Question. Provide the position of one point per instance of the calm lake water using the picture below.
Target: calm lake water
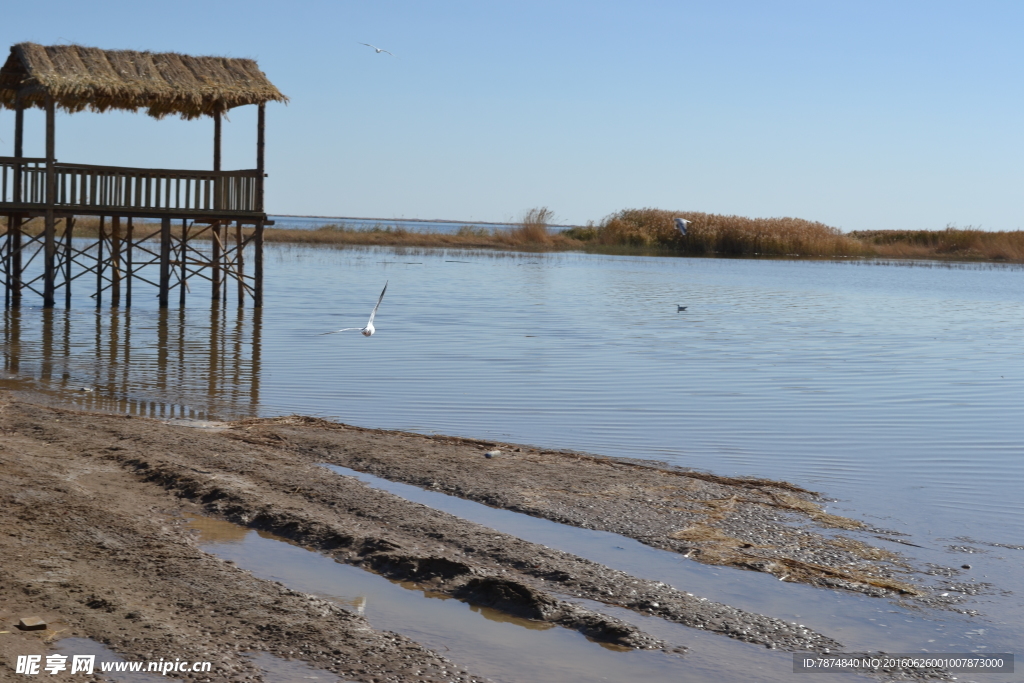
(895, 390)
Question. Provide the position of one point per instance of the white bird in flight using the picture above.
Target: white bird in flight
(379, 50)
(369, 329)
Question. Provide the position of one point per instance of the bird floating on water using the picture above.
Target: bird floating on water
(681, 308)
(369, 329)
(378, 49)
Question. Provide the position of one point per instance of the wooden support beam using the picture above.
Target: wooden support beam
(7, 264)
(257, 294)
(99, 262)
(14, 272)
(215, 259)
(240, 264)
(69, 226)
(182, 261)
(115, 261)
(225, 261)
(165, 260)
(51, 199)
(128, 265)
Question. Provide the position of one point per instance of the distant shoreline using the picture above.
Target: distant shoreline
(404, 220)
(650, 232)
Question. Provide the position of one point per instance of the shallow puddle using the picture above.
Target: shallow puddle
(484, 641)
(277, 670)
(858, 622)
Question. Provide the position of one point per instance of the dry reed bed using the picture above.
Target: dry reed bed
(653, 232)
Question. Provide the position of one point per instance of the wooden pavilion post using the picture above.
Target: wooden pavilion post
(51, 200)
(115, 261)
(216, 141)
(261, 121)
(14, 221)
(165, 259)
(215, 258)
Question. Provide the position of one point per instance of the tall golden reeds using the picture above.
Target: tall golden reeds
(653, 231)
(713, 234)
(533, 228)
(962, 243)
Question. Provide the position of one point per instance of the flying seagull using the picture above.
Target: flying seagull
(369, 329)
(379, 50)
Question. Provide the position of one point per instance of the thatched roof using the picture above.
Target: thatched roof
(160, 82)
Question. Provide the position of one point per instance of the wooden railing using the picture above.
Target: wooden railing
(33, 180)
(130, 189)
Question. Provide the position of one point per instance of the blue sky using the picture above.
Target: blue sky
(859, 114)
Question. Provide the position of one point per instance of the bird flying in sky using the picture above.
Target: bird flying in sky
(379, 50)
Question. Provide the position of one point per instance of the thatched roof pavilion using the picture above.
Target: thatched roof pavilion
(76, 78)
(162, 83)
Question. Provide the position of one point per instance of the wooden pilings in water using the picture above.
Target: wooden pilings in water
(121, 253)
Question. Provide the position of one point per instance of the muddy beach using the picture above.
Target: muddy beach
(97, 541)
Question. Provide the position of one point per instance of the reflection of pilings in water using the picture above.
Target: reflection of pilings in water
(127, 355)
(47, 368)
(254, 388)
(216, 366)
(161, 353)
(237, 358)
(12, 340)
(181, 346)
(113, 337)
(98, 343)
(66, 375)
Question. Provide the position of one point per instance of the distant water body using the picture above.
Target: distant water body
(897, 391)
(315, 222)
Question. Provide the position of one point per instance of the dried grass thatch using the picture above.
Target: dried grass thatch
(162, 83)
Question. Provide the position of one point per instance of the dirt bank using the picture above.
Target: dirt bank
(752, 524)
(96, 540)
(96, 553)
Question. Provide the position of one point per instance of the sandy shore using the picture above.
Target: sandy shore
(96, 540)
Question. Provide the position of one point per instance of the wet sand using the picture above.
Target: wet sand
(98, 540)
